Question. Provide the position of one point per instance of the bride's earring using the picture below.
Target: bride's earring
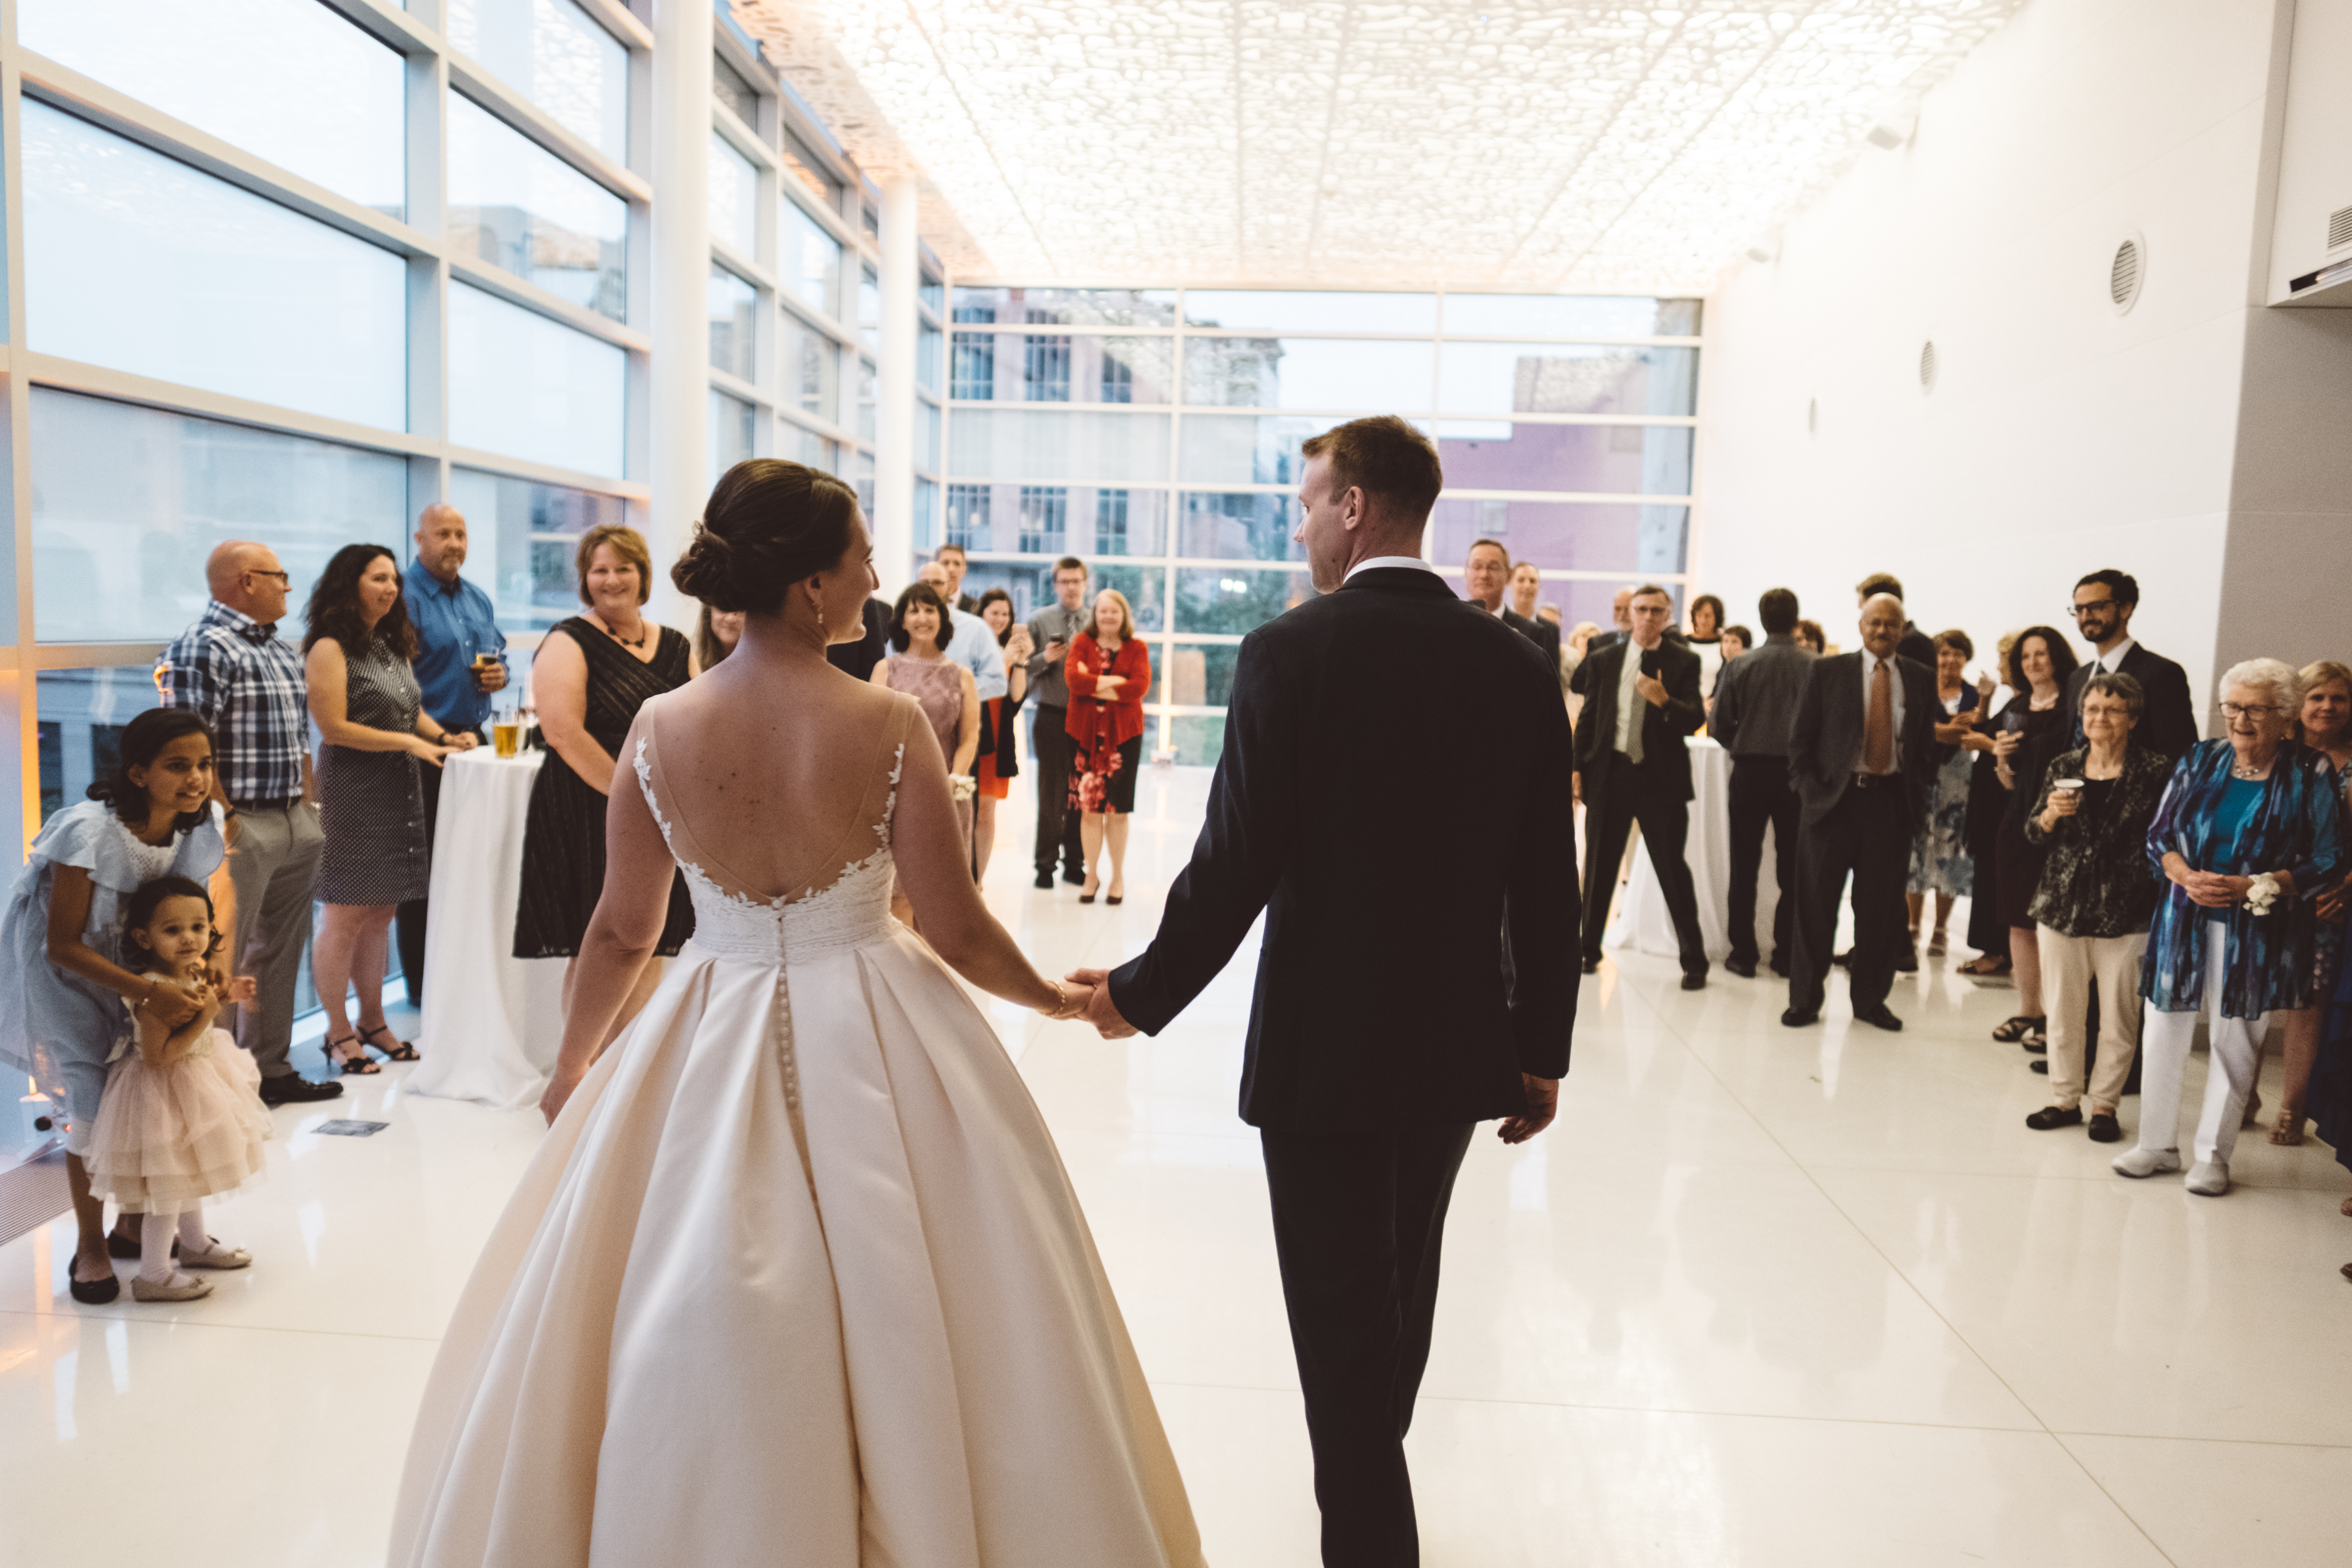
(816, 602)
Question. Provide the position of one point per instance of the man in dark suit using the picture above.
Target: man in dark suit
(1862, 758)
(1914, 644)
(2104, 602)
(1486, 576)
(1641, 702)
(1755, 708)
(1382, 1029)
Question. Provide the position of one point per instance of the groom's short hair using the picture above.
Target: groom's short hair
(1385, 457)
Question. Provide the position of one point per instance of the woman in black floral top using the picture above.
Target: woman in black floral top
(2092, 907)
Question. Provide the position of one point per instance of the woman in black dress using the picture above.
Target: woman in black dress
(2029, 732)
(589, 679)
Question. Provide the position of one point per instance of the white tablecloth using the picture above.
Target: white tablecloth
(493, 1023)
(1642, 919)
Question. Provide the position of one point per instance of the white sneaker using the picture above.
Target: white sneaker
(2208, 1179)
(2139, 1162)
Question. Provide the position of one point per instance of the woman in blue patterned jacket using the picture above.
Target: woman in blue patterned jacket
(2247, 834)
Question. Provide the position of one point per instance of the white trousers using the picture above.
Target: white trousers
(2237, 1055)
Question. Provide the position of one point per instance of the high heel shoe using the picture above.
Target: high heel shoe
(351, 1066)
(1114, 897)
(400, 1050)
(1087, 895)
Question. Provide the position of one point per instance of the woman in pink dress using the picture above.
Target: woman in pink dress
(920, 624)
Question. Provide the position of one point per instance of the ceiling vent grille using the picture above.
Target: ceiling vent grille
(2126, 271)
(1927, 366)
(2339, 228)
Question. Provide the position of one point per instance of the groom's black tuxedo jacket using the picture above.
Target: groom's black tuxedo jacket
(1391, 792)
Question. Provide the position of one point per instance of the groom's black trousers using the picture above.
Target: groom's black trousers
(1358, 1223)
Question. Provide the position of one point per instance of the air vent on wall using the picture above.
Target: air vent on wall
(1927, 366)
(2126, 271)
(2339, 228)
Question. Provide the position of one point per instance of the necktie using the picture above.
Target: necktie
(1878, 728)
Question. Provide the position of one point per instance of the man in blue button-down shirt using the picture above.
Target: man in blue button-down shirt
(456, 626)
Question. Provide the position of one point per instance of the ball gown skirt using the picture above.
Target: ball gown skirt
(797, 1280)
(166, 1139)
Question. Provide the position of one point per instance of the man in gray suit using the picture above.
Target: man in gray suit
(1755, 710)
(1862, 758)
(1051, 632)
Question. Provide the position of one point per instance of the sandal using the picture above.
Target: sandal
(2018, 1028)
(1985, 965)
(351, 1066)
(400, 1050)
(2036, 1039)
(1935, 945)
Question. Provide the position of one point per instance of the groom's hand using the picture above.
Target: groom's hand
(1543, 1104)
(1101, 1011)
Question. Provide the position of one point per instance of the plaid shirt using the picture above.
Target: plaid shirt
(235, 674)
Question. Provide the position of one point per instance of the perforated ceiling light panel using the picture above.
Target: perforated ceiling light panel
(2126, 271)
(1488, 143)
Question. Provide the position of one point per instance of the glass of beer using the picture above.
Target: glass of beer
(506, 731)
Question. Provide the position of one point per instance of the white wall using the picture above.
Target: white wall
(2059, 436)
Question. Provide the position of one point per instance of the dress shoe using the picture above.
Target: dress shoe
(293, 1089)
(2139, 1162)
(2208, 1179)
(1697, 982)
(2051, 1116)
(195, 1289)
(2040, 1065)
(216, 1256)
(1044, 881)
(1877, 1013)
(1779, 966)
(1076, 878)
(2105, 1129)
(1591, 966)
(94, 1292)
(1797, 1018)
(1743, 967)
(1907, 961)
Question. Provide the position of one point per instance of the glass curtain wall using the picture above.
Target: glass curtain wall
(1156, 434)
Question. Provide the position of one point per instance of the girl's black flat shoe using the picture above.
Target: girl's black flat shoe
(94, 1292)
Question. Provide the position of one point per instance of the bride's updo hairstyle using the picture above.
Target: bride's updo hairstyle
(767, 524)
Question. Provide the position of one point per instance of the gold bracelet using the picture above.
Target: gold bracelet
(1061, 1000)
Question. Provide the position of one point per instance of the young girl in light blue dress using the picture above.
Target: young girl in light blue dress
(63, 1013)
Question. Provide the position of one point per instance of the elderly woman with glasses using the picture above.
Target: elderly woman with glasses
(2246, 835)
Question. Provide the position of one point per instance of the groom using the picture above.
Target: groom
(1382, 741)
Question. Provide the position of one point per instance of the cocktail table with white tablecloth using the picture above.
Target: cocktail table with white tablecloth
(1642, 923)
(493, 1022)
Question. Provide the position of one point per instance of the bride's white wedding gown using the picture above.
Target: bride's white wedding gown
(797, 1279)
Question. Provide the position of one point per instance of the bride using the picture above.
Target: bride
(797, 1278)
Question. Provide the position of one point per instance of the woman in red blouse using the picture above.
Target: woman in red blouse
(1108, 673)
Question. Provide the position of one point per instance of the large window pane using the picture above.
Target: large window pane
(727, 86)
(734, 197)
(1310, 311)
(730, 433)
(1235, 599)
(799, 445)
(1308, 372)
(1069, 306)
(523, 538)
(1055, 519)
(812, 373)
(128, 502)
(83, 713)
(518, 206)
(928, 455)
(1229, 449)
(734, 336)
(869, 308)
(927, 357)
(139, 262)
(1146, 588)
(869, 381)
(1607, 459)
(1025, 444)
(1569, 316)
(1248, 525)
(1200, 741)
(1566, 378)
(974, 370)
(550, 51)
(288, 81)
(1628, 536)
(809, 259)
(530, 387)
(1197, 675)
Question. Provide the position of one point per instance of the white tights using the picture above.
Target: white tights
(156, 1232)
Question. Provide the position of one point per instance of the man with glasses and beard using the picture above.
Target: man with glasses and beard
(2102, 606)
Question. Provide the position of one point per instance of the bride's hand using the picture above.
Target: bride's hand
(1075, 1001)
(559, 1091)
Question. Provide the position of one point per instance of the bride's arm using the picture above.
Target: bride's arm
(622, 932)
(936, 877)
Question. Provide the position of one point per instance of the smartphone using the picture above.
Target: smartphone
(1653, 661)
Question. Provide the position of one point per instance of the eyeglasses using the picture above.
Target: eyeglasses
(2079, 610)
(283, 577)
(2248, 710)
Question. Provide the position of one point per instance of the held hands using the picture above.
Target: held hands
(461, 740)
(1100, 1011)
(1076, 1000)
(1651, 689)
(1543, 1104)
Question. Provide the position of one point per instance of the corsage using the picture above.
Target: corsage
(2262, 893)
(963, 786)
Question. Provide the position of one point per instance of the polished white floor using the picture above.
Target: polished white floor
(1759, 1298)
